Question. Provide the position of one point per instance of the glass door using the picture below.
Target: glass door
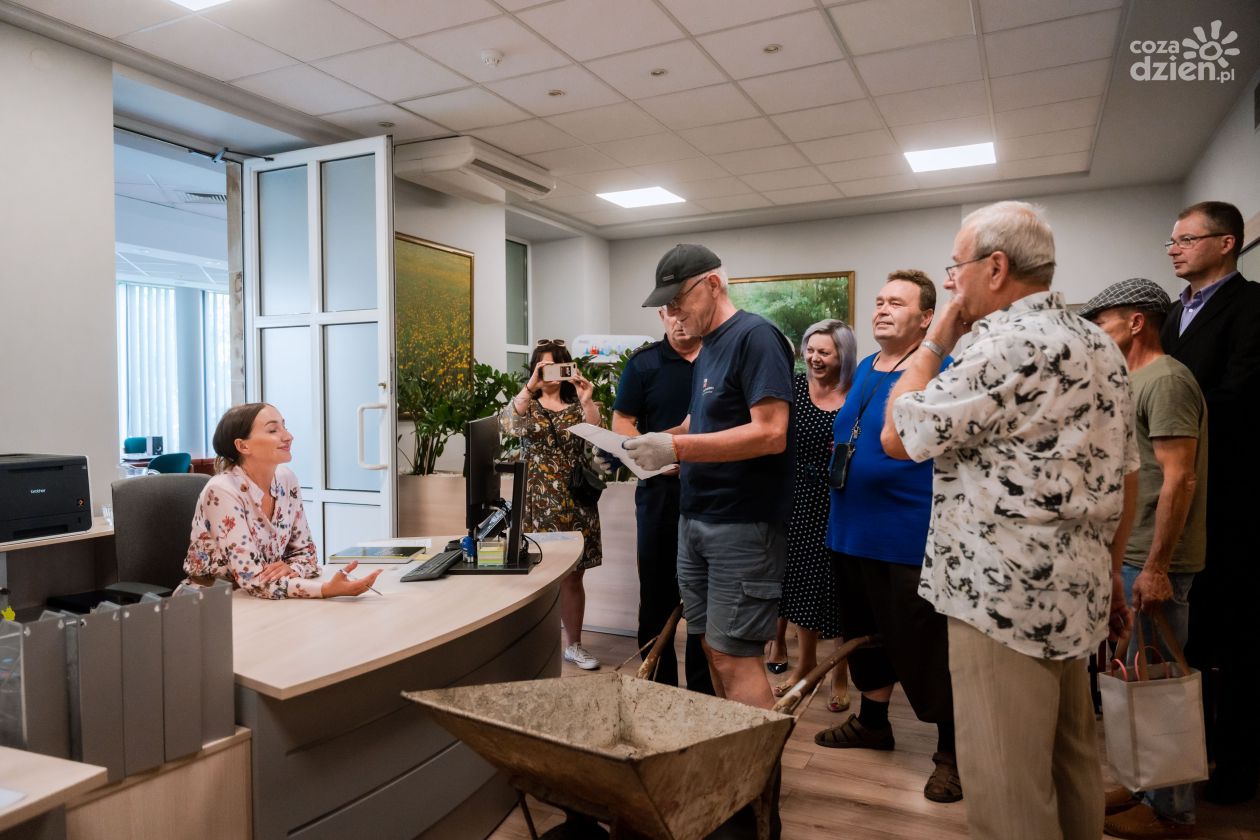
(319, 326)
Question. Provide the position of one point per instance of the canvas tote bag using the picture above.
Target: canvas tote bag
(1153, 716)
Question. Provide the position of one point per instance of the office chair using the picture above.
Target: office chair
(133, 446)
(172, 462)
(152, 522)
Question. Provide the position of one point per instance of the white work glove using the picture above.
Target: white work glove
(651, 451)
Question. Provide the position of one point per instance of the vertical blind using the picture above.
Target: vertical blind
(217, 361)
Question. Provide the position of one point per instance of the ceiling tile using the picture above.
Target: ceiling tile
(806, 87)
(465, 109)
(702, 106)
(760, 160)
(610, 180)
(1003, 14)
(1041, 145)
(932, 65)
(109, 19)
(1056, 84)
(392, 71)
(1053, 44)
(803, 195)
(416, 17)
(631, 73)
(307, 89)
(863, 168)
(701, 16)
(208, 48)
(943, 133)
(1075, 113)
(829, 121)
(527, 138)
(850, 146)
(654, 148)
(587, 29)
(878, 25)
(879, 186)
(573, 162)
(967, 99)
(1050, 165)
(586, 203)
(713, 188)
(460, 49)
(783, 179)
(581, 90)
(731, 203)
(406, 125)
(733, 137)
(610, 122)
(517, 5)
(803, 39)
(956, 177)
(305, 29)
(681, 171)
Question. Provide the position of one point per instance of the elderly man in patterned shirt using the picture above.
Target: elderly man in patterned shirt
(1034, 483)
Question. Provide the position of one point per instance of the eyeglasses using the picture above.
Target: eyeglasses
(951, 270)
(543, 342)
(676, 301)
(1187, 241)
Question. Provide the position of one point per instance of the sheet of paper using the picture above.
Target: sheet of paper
(610, 441)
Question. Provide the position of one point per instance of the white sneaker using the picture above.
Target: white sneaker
(579, 657)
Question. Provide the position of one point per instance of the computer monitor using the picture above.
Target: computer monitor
(481, 450)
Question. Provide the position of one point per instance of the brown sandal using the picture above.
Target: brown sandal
(852, 734)
(944, 785)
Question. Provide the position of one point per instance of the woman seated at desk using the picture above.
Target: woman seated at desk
(258, 539)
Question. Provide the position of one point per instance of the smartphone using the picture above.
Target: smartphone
(557, 371)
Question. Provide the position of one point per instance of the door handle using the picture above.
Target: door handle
(361, 411)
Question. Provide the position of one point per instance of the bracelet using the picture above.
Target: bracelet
(933, 347)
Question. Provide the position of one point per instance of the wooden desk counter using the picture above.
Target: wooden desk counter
(337, 750)
(286, 648)
(49, 783)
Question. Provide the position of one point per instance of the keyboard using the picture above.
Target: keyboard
(435, 566)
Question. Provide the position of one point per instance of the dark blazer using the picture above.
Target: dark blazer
(1222, 348)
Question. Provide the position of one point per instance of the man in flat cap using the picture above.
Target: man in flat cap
(1168, 543)
(736, 470)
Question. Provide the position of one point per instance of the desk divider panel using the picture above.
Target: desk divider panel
(181, 674)
(142, 685)
(94, 651)
(34, 710)
(218, 695)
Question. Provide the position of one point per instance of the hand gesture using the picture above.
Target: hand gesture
(585, 389)
(275, 570)
(949, 325)
(1151, 589)
(342, 584)
(535, 378)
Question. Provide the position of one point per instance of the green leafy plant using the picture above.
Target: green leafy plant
(605, 376)
(439, 409)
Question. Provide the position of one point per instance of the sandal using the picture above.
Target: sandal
(838, 703)
(852, 733)
(944, 785)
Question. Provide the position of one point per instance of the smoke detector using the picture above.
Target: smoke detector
(491, 58)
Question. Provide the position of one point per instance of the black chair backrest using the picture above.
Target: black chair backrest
(152, 525)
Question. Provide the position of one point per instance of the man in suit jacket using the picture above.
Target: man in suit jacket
(1215, 331)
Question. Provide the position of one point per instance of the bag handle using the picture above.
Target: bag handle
(1164, 633)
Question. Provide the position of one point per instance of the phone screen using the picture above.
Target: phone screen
(557, 371)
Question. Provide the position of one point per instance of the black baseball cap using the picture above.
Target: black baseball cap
(680, 263)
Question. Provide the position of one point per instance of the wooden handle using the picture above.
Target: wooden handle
(665, 638)
(787, 703)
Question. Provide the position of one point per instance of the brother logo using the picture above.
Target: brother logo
(39, 490)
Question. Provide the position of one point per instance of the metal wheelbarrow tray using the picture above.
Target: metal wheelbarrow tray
(649, 758)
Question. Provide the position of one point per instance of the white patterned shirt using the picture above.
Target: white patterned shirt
(233, 539)
(1032, 432)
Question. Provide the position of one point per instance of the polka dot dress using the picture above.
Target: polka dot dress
(809, 591)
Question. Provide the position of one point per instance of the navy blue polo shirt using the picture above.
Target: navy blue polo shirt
(743, 361)
(655, 388)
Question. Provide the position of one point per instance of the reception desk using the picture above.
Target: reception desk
(337, 751)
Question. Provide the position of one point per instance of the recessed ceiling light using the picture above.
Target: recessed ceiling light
(198, 5)
(659, 71)
(771, 48)
(952, 157)
(385, 124)
(646, 197)
(555, 92)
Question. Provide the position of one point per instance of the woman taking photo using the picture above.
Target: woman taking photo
(809, 591)
(249, 527)
(539, 414)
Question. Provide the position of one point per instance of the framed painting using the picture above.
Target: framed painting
(794, 302)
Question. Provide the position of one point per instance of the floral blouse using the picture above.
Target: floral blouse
(233, 539)
(1032, 429)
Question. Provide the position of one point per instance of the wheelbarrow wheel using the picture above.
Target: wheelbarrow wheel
(576, 827)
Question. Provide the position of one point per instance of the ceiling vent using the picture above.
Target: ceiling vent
(203, 198)
(471, 169)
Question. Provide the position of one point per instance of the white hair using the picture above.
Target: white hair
(1019, 230)
(720, 271)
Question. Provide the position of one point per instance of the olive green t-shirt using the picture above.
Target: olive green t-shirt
(1169, 404)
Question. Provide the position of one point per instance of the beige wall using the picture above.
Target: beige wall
(58, 351)
(1229, 169)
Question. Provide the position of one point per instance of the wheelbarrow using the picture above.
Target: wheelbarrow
(649, 760)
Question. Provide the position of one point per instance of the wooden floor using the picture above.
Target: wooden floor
(860, 794)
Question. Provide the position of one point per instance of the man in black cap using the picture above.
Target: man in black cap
(736, 470)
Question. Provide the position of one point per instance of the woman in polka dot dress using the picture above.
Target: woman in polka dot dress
(809, 592)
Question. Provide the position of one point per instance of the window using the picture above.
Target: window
(518, 348)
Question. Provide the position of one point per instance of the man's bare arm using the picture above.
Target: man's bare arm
(624, 424)
(764, 434)
(1176, 460)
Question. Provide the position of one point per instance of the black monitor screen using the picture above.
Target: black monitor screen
(481, 450)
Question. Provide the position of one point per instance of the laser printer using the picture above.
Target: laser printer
(43, 495)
